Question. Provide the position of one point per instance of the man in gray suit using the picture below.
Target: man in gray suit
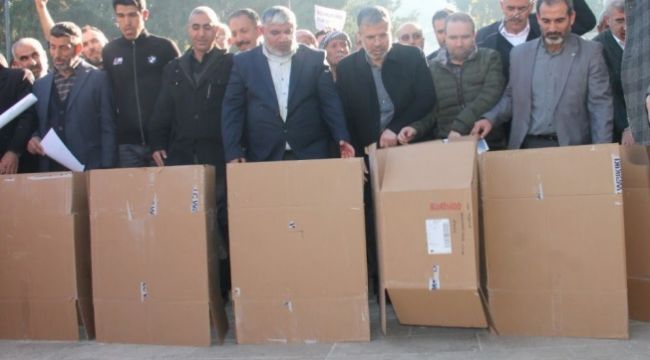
(559, 92)
(75, 101)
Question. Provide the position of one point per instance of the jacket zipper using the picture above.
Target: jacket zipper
(137, 94)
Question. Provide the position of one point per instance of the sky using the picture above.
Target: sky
(425, 9)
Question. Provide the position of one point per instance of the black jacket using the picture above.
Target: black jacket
(613, 54)
(490, 37)
(14, 85)
(135, 70)
(407, 80)
(187, 119)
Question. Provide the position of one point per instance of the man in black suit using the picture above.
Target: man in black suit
(613, 41)
(384, 87)
(15, 84)
(519, 25)
(281, 103)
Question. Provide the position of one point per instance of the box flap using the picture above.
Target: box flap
(303, 183)
(563, 171)
(59, 193)
(138, 193)
(423, 166)
(454, 308)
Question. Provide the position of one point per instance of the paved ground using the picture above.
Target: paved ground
(403, 342)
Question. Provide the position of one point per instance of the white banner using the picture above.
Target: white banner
(328, 18)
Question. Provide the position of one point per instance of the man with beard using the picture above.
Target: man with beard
(75, 101)
(570, 102)
(613, 40)
(29, 54)
(245, 30)
(281, 103)
(468, 83)
(384, 87)
(337, 46)
(519, 25)
(93, 39)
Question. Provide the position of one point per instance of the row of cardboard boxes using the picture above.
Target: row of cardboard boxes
(128, 255)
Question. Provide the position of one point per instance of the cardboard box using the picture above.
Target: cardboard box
(153, 254)
(45, 290)
(426, 210)
(636, 192)
(555, 241)
(297, 246)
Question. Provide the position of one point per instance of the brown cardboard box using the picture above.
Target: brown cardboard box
(554, 237)
(45, 291)
(426, 210)
(153, 255)
(636, 192)
(297, 249)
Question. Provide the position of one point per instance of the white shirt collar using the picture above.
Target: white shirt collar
(515, 39)
(620, 42)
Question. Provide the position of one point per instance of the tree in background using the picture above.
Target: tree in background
(168, 17)
(486, 12)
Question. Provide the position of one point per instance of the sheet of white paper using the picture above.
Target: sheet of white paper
(56, 149)
(17, 109)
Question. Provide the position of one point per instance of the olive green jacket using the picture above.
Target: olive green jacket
(462, 99)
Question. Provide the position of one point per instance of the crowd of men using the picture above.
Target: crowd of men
(527, 81)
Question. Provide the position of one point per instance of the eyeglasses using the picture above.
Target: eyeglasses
(407, 37)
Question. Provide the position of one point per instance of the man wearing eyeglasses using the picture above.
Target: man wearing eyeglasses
(410, 34)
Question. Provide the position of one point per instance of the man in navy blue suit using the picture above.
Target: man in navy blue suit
(74, 100)
(281, 102)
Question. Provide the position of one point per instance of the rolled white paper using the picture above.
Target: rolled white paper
(17, 109)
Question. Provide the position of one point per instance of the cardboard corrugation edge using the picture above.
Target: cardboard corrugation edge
(83, 300)
(375, 162)
(636, 165)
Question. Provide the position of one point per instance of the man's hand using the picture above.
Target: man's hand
(482, 128)
(627, 138)
(406, 135)
(34, 146)
(9, 163)
(237, 160)
(453, 135)
(347, 150)
(159, 157)
(40, 4)
(388, 139)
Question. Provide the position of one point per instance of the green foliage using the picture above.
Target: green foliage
(486, 12)
(168, 17)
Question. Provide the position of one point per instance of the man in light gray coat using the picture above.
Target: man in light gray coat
(559, 92)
